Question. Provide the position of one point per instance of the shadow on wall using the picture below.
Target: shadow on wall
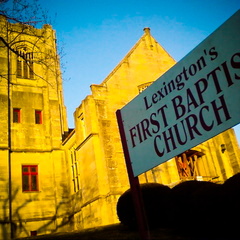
(19, 222)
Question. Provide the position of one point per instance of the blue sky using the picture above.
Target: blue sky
(96, 34)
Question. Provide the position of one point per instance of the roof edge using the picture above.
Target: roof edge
(146, 32)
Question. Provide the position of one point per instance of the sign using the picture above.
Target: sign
(196, 99)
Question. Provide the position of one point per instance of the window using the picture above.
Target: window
(187, 164)
(82, 125)
(24, 64)
(38, 116)
(16, 115)
(75, 174)
(30, 178)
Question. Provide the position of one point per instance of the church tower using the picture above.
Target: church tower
(32, 123)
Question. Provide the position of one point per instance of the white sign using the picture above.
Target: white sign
(195, 100)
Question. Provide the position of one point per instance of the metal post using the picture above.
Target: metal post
(134, 184)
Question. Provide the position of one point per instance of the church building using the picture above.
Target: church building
(55, 180)
(94, 150)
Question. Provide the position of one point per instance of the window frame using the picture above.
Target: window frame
(25, 68)
(38, 116)
(29, 173)
(75, 171)
(16, 115)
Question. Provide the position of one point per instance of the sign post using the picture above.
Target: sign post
(195, 100)
(135, 188)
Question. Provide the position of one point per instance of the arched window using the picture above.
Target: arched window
(24, 64)
(187, 164)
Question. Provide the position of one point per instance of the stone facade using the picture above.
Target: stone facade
(98, 155)
(34, 189)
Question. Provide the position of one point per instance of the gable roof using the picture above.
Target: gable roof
(146, 35)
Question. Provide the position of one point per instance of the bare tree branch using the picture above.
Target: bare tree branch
(27, 15)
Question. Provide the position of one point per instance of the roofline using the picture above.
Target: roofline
(68, 137)
(146, 32)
